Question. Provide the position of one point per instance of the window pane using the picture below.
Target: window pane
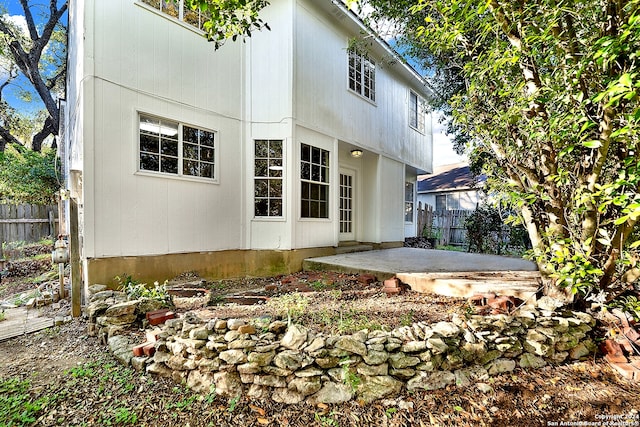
(305, 172)
(207, 138)
(323, 210)
(275, 207)
(169, 147)
(305, 210)
(169, 165)
(261, 168)
(315, 155)
(206, 154)
(275, 167)
(189, 134)
(306, 153)
(149, 162)
(315, 173)
(275, 149)
(314, 209)
(261, 188)
(306, 190)
(275, 188)
(262, 207)
(315, 192)
(149, 143)
(262, 149)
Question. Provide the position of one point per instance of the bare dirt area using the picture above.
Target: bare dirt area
(62, 376)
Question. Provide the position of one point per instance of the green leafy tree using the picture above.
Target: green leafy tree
(230, 19)
(27, 176)
(33, 64)
(547, 94)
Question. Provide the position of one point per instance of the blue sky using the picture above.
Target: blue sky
(10, 94)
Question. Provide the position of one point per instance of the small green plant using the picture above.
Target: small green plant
(211, 396)
(134, 289)
(233, 402)
(407, 319)
(350, 377)
(629, 304)
(82, 371)
(292, 305)
(326, 420)
(16, 406)
(390, 411)
(3, 316)
(124, 415)
(336, 294)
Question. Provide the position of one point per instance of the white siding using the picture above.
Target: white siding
(158, 66)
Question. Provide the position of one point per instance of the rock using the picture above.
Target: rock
(234, 324)
(327, 362)
(200, 382)
(401, 360)
(249, 368)
(242, 344)
(278, 372)
(309, 372)
(200, 333)
(582, 350)
(122, 309)
(376, 357)
(247, 329)
(352, 345)
(231, 336)
(220, 325)
(291, 360)
(376, 387)
(159, 369)
(119, 320)
(228, 383)
(465, 377)
(538, 348)
(146, 305)
(284, 395)
(270, 381)
(259, 392)
(433, 381)
(446, 329)
(528, 360)
(295, 337)
(139, 363)
(500, 366)
(414, 347)
(373, 370)
(94, 289)
(404, 374)
(548, 303)
(332, 393)
(437, 345)
(315, 345)
(305, 386)
(261, 359)
(484, 388)
(121, 349)
(233, 357)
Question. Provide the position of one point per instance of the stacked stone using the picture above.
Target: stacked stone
(110, 312)
(292, 364)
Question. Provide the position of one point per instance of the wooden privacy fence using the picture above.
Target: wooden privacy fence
(446, 226)
(27, 223)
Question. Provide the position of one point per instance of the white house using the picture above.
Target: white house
(451, 187)
(240, 161)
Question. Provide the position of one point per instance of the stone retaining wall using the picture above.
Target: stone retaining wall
(262, 358)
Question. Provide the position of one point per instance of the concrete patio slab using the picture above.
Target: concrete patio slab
(448, 273)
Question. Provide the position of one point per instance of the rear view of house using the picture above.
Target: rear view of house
(238, 161)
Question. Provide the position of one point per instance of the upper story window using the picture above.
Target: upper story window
(416, 111)
(174, 148)
(181, 10)
(268, 170)
(362, 75)
(314, 176)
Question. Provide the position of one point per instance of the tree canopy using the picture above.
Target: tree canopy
(32, 64)
(546, 98)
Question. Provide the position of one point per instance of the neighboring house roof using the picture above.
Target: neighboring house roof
(454, 177)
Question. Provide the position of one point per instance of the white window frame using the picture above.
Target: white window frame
(274, 172)
(362, 75)
(180, 155)
(409, 201)
(416, 111)
(307, 180)
(161, 6)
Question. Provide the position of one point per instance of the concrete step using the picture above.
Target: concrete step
(520, 284)
(351, 248)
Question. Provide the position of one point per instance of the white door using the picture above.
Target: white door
(347, 205)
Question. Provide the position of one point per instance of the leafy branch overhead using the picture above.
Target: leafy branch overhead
(35, 54)
(230, 19)
(546, 100)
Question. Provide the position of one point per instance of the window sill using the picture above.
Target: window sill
(177, 177)
(362, 97)
(422, 132)
(269, 219)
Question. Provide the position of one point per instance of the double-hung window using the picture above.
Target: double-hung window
(181, 10)
(174, 148)
(416, 111)
(268, 170)
(314, 177)
(362, 75)
(408, 202)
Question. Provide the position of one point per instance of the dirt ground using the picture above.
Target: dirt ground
(74, 381)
